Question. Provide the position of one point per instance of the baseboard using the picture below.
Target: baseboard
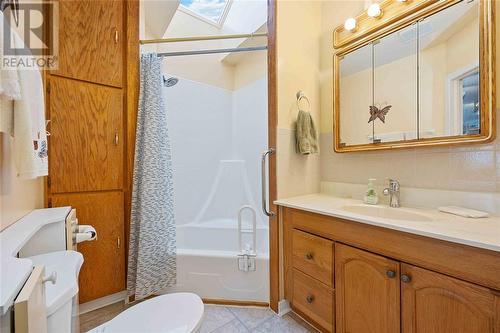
(283, 307)
(234, 302)
(102, 302)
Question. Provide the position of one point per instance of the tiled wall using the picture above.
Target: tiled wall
(469, 168)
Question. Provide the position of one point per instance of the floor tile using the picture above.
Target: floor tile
(214, 317)
(234, 326)
(282, 325)
(251, 317)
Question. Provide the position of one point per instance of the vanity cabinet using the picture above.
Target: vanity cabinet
(344, 276)
(433, 302)
(367, 291)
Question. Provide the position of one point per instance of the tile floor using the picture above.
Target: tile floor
(217, 319)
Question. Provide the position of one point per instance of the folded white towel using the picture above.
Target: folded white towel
(30, 136)
(10, 88)
(9, 78)
(465, 212)
(6, 115)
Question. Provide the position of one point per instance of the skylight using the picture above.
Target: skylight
(212, 10)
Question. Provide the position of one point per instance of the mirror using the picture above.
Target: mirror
(449, 71)
(356, 95)
(419, 84)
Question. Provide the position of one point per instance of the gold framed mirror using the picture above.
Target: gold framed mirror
(415, 73)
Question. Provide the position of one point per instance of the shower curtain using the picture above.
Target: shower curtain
(152, 249)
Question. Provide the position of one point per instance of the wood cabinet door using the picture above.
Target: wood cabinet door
(91, 40)
(367, 291)
(86, 145)
(436, 303)
(103, 270)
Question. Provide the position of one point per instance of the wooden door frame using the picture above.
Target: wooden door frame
(132, 95)
(272, 124)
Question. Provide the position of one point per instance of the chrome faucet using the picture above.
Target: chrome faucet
(393, 192)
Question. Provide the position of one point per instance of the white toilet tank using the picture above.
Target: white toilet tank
(62, 296)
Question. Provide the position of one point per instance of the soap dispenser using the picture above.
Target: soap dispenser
(371, 197)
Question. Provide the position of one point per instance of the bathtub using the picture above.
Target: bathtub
(207, 262)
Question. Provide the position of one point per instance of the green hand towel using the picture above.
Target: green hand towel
(305, 133)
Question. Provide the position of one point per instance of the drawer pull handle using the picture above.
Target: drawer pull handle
(391, 274)
(406, 278)
(309, 256)
(310, 299)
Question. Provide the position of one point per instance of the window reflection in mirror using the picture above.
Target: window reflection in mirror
(356, 95)
(449, 72)
(395, 86)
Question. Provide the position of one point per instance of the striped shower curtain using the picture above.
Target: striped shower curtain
(152, 249)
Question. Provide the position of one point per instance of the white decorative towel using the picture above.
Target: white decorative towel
(465, 212)
(28, 117)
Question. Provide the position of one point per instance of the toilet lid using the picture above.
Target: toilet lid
(172, 313)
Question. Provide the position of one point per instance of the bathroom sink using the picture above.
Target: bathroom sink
(386, 212)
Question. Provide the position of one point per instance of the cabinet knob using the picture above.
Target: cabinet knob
(117, 38)
(406, 278)
(309, 256)
(310, 299)
(116, 139)
(391, 274)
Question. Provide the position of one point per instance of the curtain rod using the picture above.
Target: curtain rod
(199, 38)
(238, 49)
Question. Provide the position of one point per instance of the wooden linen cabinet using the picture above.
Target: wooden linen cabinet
(87, 99)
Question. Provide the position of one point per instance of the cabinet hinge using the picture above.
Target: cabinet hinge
(49, 203)
(48, 181)
(48, 87)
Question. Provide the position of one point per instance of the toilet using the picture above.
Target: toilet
(170, 313)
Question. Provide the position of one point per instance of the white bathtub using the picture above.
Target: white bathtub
(207, 262)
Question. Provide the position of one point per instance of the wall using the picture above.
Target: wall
(465, 168)
(17, 196)
(216, 140)
(207, 68)
(298, 68)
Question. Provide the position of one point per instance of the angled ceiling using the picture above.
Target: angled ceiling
(158, 14)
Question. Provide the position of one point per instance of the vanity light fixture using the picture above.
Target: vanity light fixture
(350, 24)
(374, 10)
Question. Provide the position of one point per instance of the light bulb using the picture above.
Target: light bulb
(350, 24)
(374, 10)
(401, 0)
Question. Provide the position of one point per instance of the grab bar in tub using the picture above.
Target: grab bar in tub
(252, 231)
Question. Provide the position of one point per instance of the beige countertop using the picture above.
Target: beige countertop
(482, 233)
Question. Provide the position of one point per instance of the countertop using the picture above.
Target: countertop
(481, 233)
(15, 271)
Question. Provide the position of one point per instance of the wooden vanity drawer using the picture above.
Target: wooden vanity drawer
(313, 299)
(313, 255)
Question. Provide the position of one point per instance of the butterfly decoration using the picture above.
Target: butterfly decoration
(375, 113)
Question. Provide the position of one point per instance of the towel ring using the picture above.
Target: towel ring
(300, 96)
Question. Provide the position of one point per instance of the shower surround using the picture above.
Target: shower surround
(217, 136)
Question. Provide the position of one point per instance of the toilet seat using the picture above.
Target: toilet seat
(170, 313)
